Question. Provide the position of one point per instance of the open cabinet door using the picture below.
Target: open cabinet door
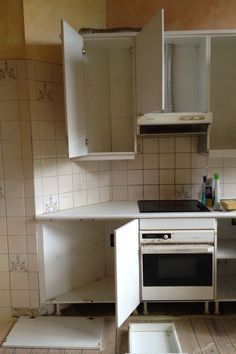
(127, 270)
(74, 88)
(150, 66)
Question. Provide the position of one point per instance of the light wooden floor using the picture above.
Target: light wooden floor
(197, 334)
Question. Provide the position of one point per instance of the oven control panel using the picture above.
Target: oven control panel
(177, 236)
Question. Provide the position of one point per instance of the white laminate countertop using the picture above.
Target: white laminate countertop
(124, 210)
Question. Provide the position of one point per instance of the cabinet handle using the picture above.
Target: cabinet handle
(83, 51)
(86, 141)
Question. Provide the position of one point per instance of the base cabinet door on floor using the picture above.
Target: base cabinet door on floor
(79, 263)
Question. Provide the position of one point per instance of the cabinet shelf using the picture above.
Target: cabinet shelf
(226, 249)
(226, 287)
(101, 290)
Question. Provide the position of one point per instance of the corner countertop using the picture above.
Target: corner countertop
(124, 210)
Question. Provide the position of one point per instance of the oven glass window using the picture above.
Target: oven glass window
(177, 269)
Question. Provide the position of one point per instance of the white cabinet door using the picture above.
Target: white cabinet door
(127, 279)
(72, 44)
(150, 66)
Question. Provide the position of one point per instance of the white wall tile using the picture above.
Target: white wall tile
(4, 263)
(119, 177)
(80, 198)
(230, 175)
(167, 176)
(14, 188)
(4, 281)
(92, 180)
(15, 207)
(19, 280)
(16, 226)
(119, 193)
(5, 298)
(182, 160)
(198, 161)
(150, 145)
(182, 144)
(167, 192)
(166, 145)
(66, 201)
(17, 244)
(151, 192)
(136, 164)
(79, 181)
(150, 177)
(11, 150)
(13, 169)
(150, 161)
(135, 177)
(9, 110)
(65, 184)
(135, 192)
(182, 176)
(50, 185)
(31, 244)
(3, 226)
(20, 298)
(3, 244)
(93, 195)
(166, 161)
(105, 194)
(229, 162)
(64, 166)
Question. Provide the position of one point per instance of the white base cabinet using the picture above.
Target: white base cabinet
(78, 264)
(226, 262)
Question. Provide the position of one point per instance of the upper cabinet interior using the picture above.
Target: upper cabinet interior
(186, 73)
(99, 94)
(223, 96)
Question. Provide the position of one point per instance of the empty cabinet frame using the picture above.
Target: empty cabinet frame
(100, 95)
(78, 264)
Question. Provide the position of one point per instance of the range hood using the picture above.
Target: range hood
(157, 123)
(174, 123)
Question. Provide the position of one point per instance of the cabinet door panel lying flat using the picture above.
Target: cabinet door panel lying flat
(126, 270)
(149, 66)
(72, 44)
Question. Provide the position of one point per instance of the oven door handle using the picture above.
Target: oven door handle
(154, 249)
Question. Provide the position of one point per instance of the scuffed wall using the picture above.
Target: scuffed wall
(12, 44)
(42, 24)
(179, 15)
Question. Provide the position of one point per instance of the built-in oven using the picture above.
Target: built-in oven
(177, 265)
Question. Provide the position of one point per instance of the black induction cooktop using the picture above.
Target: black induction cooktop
(171, 206)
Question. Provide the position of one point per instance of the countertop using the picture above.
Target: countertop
(124, 210)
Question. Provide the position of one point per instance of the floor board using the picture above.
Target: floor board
(197, 334)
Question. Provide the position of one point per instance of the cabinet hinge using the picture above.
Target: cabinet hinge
(83, 51)
(86, 141)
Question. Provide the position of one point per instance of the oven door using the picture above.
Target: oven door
(177, 272)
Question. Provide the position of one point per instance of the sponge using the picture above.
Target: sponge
(229, 204)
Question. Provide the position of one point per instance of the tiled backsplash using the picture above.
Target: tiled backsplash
(37, 176)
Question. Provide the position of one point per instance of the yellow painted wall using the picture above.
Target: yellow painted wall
(42, 24)
(12, 43)
(179, 14)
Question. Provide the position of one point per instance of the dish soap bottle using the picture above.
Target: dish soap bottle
(216, 205)
(203, 190)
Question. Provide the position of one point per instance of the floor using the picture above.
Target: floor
(208, 334)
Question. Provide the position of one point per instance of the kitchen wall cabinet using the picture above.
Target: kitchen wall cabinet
(190, 71)
(223, 95)
(79, 265)
(102, 74)
(99, 95)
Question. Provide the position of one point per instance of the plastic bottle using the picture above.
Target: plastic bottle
(216, 205)
(209, 192)
(203, 190)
